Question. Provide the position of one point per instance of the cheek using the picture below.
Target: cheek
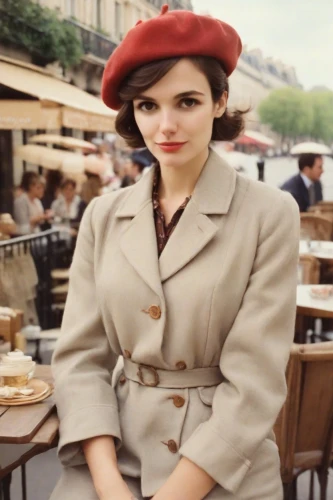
(200, 122)
(146, 124)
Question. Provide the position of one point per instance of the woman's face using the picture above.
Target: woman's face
(175, 116)
(36, 189)
(68, 192)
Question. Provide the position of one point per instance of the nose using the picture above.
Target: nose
(168, 122)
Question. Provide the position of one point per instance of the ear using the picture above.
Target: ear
(221, 105)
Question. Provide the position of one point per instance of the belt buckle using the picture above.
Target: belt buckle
(152, 370)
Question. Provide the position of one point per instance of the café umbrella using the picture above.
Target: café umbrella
(310, 147)
(63, 141)
(52, 159)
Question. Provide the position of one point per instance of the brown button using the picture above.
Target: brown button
(178, 401)
(172, 446)
(155, 312)
(122, 379)
(181, 365)
(127, 354)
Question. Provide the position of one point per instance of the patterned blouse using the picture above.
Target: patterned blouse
(164, 231)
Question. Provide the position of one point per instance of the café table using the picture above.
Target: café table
(26, 431)
(313, 307)
(322, 250)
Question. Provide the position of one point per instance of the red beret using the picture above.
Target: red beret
(178, 33)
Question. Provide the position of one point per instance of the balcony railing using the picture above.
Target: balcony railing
(92, 42)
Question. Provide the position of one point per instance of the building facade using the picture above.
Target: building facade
(254, 78)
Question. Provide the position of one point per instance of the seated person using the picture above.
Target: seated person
(306, 187)
(69, 206)
(29, 213)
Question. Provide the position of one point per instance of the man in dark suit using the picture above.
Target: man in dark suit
(306, 187)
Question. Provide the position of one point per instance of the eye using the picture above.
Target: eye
(146, 106)
(188, 102)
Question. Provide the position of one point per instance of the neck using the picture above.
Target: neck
(179, 182)
(31, 196)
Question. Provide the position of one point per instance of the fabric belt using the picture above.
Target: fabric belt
(172, 379)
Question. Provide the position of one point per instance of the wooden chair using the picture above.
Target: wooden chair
(308, 274)
(318, 227)
(304, 429)
(309, 268)
(326, 210)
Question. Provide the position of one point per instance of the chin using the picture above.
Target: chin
(174, 160)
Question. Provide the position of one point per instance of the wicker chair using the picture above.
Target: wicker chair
(304, 429)
(318, 227)
(309, 268)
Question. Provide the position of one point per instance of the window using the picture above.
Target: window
(118, 21)
(70, 8)
(98, 14)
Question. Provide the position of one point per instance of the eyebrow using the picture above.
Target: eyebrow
(178, 96)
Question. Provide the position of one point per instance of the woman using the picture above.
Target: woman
(54, 179)
(28, 210)
(190, 275)
(69, 205)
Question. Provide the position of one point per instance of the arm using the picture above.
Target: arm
(21, 215)
(100, 453)
(253, 362)
(82, 365)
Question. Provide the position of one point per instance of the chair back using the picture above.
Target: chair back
(318, 227)
(322, 209)
(305, 425)
(309, 270)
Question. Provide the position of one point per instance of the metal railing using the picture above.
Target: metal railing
(43, 248)
(93, 42)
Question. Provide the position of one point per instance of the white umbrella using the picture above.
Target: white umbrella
(52, 159)
(64, 141)
(310, 147)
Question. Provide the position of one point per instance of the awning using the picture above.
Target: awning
(255, 138)
(78, 109)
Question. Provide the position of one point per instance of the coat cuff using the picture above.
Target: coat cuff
(212, 453)
(85, 423)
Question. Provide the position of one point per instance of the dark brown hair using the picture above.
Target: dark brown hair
(68, 182)
(28, 180)
(307, 160)
(226, 128)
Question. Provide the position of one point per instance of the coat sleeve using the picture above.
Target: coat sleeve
(83, 361)
(254, 356)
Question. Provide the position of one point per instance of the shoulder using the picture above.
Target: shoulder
(292, 182)
(264, 198)
(105, 206)
(21, 201)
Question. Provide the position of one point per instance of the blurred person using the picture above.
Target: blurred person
(29, 213)
(91, 187)
(54, 179)
(135, 167)
(190, 276)
(68, 206)
(306, 186)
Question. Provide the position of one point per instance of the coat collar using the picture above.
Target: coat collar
(213, 194)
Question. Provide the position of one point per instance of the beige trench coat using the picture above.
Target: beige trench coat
(224, 290)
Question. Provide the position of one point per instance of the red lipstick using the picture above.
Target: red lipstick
(171, 147)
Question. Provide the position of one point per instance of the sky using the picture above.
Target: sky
(297, 32)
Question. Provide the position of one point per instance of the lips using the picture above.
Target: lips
(170, 147)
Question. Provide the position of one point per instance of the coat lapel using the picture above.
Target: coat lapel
(138, 242)
(212, 196)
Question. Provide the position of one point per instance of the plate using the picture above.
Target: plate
(42, 390)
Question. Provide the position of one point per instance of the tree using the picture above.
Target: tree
(288, 112)
(47, 38)
(322, 123)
